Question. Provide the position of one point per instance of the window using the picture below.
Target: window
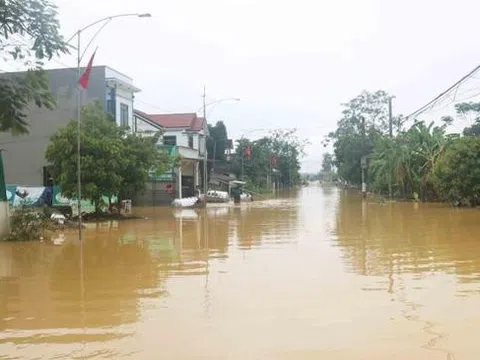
(123, 115)
(190, 141)
(111, 107)
(169, 140)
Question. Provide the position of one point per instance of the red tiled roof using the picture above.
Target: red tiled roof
(187, 120)
(174, 120)
(197, 124)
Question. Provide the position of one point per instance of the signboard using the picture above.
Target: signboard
(87, 205)
(363, 162)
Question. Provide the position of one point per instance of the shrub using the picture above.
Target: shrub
(27, 223)
(457, 173)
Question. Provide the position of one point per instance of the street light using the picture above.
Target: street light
(78, 33)
(216, 102)
(205, 159)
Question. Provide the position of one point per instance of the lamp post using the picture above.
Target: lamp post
(205, 158)
(80, 55)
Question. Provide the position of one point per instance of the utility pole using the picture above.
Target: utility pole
(390, 133)
(77, 34)
(363, 162)
(214, 155)
(243, 154)
(79, 114)
(390, 119)
(289, 170)
(205, 185)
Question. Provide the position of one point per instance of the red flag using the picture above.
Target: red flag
(86, 74)
(248, 152)
(274, 160)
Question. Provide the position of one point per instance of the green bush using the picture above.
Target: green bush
(457, 173)
(27, 223)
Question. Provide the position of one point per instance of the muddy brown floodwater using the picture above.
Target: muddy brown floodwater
(314, 274)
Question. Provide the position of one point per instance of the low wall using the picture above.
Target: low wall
(155, 194)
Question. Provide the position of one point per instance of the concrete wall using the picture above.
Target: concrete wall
(154, 194)
(182, 143)
(112, 73)
(143, 126)
(24, 156)
(182, 139)
(124, 97)
(4, 219)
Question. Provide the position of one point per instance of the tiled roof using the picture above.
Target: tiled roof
(174, 120)
(187, 120)
(197, 124)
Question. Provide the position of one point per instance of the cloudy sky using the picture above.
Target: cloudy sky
(291, 62)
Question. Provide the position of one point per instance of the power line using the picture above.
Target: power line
(432, 102)
(152, 106)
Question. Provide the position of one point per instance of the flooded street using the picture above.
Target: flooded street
(314, 274)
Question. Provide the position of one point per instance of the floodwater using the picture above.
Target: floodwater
(314, 274)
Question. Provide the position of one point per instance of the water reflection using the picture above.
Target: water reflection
(44, 285)
(42, 289)
(384, 238)
(312, 274)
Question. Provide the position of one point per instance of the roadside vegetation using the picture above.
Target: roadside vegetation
(273, 157)
(418, 161)
(115, 162)
(29, 36)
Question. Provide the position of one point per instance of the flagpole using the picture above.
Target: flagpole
(79, 114)
(79, 101)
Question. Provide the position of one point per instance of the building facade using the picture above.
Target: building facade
(184, 135)
(24, 156)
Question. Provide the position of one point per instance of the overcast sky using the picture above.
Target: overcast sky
(291, 62)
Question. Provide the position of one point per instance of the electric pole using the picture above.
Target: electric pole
(390, 133)
(205, 185)
(390, 119)
(363, 161)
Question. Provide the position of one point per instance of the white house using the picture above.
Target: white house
(119, 97)
(185, 135)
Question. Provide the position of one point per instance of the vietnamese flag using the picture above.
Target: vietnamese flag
(274, 160)
(86, 74)
(248, 152)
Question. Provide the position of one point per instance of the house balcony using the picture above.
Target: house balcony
(189, 153)
(168, 175)
(185, 152)
(171, 150)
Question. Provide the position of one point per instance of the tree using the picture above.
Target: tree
(327, 171)
(217, 141)
(470, 111)
(114, 163)
(140, 159)
(473, 130)
(280, 150)
(364, 118)
(253, 169)
(29, 33)
(457, 175)
(408, 160)
(327, 163)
